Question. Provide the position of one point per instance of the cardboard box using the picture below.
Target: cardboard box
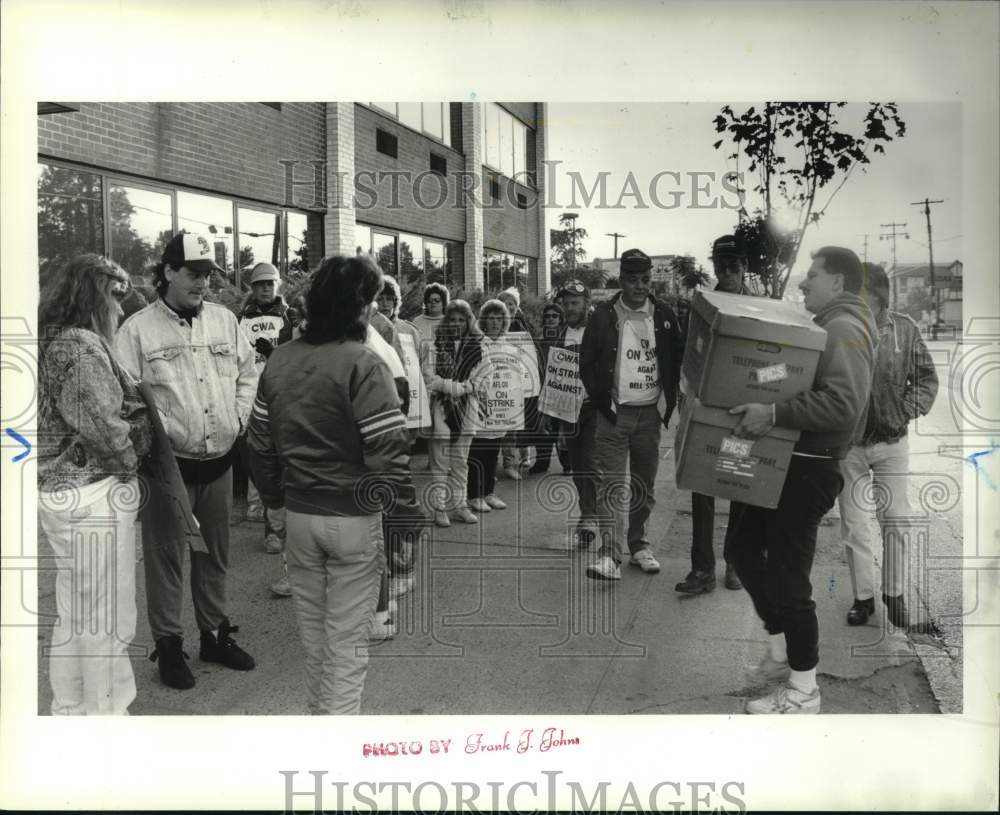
(749, 349)
(710, 460)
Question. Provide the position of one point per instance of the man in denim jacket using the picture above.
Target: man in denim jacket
(201, 369)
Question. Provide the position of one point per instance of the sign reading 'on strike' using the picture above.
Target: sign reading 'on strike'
(562, 393)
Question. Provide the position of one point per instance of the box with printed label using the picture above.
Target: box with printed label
(749, 349)
(709, 459)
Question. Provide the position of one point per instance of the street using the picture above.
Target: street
(503, 620)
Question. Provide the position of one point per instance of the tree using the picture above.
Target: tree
(795, 149)
(590, 277)
(566, 244)
(690, 275)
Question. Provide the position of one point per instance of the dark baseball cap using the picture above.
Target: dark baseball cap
(728, 246)
(193, 251)
(573, 287)
(635, 260)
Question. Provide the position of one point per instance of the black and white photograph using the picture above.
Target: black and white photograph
(547, 440)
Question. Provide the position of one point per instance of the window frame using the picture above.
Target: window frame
(445, 109)
(520, 175)
(110, 177)
(448, 245)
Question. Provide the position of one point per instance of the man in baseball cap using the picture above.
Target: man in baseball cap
(193, 251)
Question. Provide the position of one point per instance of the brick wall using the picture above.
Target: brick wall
(232, 148)
(374, 204)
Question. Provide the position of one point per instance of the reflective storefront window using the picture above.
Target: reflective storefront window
(259, 239)
(212, 217)
(297, 243)
(502, 270)
(384, 252)
(70, 216)
(140, 225)
(363, 238)
(411, 259)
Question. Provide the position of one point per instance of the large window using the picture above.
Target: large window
(363, 238)
(432, 118)
(384, 251)
(411, 260)
(131, 221)
(260, 239)
(501, 270)
(140, 225)
(70, 216)
(504, 142)
(414, 260)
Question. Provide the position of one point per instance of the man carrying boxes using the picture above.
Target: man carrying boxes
(629, 364)
(774, 548)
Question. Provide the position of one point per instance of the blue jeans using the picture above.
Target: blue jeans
(627, 454)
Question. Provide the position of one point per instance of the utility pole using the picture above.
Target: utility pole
(866, 246)
(571, 217)
(892, 236)
(926, 204)
(616, 236)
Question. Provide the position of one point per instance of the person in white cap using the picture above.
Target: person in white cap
(266, 321)
(201, 371)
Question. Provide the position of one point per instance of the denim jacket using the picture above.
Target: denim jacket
(202, 375)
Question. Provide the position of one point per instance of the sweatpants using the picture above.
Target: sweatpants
(773, 553)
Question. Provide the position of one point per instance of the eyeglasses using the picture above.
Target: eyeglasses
(550, 316)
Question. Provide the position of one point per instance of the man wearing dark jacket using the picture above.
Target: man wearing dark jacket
(774, 548)
(729, 261)
(629, 364)
(903, 388)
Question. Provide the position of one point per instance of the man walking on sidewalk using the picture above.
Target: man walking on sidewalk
(773, 549)
(903, 388)
(729, 261)
(201, 370)
(629, 362)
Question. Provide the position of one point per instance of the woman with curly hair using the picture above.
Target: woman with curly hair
(456, 353)
(93, 432)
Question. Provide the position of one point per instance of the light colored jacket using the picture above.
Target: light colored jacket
(203, 375)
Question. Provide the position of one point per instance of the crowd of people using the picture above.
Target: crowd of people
(323, 403)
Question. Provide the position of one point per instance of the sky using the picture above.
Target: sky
(647, 138)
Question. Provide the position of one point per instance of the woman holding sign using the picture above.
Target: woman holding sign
(497, 405)
(457, 352)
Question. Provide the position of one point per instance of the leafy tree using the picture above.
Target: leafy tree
(688, 272)
(590, 277)
(794, 150)
(566, 244)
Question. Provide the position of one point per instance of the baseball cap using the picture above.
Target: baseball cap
(728, 245)
(262, 272)
(635, 260)
(573, 287)
(193, 251)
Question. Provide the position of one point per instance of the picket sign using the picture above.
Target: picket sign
(420, 414)
(499, 392)
(562, 394)
(525, 347)
(638, 372)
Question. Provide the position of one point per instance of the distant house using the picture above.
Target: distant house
(908, 277)
(610, 269)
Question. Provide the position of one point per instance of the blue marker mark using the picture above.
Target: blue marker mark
(832, 584)
(19, 438)
(973, 459)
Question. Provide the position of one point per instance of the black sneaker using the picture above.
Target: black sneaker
(895, 608)
(697, 583)
(174, 672)
(732, 580)
(224, 650)
(861, 611)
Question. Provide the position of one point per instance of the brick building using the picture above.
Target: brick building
(435, 191)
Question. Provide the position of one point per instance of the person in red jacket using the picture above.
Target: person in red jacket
(773, 549)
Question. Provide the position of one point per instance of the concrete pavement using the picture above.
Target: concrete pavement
(503, 620)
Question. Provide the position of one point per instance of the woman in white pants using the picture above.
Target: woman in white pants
(94, 430)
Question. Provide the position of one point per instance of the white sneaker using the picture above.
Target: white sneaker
(495, 502)
(512, 473)
(383, 628)
(398, 586)
(479, 505)
(604, 568)
(643, 559)
(255, 513)
(282, 588)
(273, 544)
(766, 671)
(786, 699)
(464, 515)
(441, 518)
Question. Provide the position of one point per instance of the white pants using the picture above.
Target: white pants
(92, 532)
(876, 475)
(335, 566)
(449, 464)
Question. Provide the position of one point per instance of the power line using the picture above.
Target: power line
(926, 204)
(892, 235)
(616, 236)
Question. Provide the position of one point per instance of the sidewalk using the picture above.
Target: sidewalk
(503, 620)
